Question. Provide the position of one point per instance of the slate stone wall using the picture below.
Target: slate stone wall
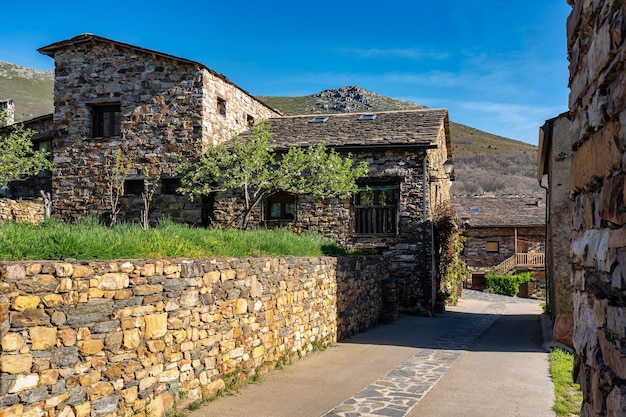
(596, 48)
(124, 337)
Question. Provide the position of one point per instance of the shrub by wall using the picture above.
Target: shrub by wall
(122, 338)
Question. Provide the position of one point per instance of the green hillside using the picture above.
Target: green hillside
(31, 90)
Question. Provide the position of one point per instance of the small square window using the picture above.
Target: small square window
(249, 120)
(221, 106)
(493, 246)
(170, 185)
(281, 206)
(107, 121)
(133, 187)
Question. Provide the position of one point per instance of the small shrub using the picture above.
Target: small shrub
(506, 284)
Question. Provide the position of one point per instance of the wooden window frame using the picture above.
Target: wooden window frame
(106, 120)
(492, 250)
(221, 106)
(277, 207)
(376, 209)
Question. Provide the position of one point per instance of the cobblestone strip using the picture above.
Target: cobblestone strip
(396, 393)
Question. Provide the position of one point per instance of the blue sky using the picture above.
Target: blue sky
(496, 65)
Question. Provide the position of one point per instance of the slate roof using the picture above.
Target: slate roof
(499, 211)
(406, 128)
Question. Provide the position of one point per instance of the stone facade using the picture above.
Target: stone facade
(553, 173)
(597, 109)
(170, 107)
(124, 337)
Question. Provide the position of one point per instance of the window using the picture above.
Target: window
(249, 120)
(133, 187)
(281, 206)
(319, 119)
(107, 121)
(221, 106)
(44, 145)
(170, 185)
(367, 117)
(376, 209)
(493, 246)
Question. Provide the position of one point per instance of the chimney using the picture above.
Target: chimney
(8, 108)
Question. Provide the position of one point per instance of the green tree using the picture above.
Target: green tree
(18, 159)
(451, 270)
(252, 168)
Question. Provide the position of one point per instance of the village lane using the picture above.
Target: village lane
(483, 358)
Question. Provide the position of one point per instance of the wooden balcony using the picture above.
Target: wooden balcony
(520, 260)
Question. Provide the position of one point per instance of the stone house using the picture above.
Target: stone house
(158, 109)
(154, 107)
(554, 163)
(503, 235)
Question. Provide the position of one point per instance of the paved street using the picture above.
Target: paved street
(481, 358)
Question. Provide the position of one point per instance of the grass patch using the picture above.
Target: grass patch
(567, 394)
(88, 240)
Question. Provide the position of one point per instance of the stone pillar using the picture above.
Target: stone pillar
(9, 107)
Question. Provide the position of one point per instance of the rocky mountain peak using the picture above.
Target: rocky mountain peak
(350, 99)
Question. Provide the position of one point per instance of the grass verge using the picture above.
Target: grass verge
(567, 394)
(88, 240)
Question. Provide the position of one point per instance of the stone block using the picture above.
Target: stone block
(16, 364)
(38, 284)
(90, 346)
(82, 271)
(156, 325)
(43, 338)
(13, 272)
(25, 302)
(132, 339)
(16, 410)
(63, 269)
(12, 342)
(113, 281)
(29, 318)
(598, 156)
(24, 382)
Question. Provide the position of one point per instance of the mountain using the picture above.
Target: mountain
(484, 163)
(31, 90)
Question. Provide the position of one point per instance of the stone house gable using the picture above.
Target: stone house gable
(155, 107)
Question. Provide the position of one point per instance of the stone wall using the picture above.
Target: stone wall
(122, 338)
(22, 211)
(169, 109)
(596, 50)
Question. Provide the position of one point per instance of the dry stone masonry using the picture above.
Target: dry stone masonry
(126, 338)
(596, 32)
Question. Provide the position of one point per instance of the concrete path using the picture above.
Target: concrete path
(482, 358)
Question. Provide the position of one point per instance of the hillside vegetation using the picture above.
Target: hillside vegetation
(31, 90)
(484, 163)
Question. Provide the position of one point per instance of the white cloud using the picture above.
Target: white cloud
(393, 53)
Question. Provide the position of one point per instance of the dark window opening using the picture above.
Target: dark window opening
(107, 121)
(133, 187)
(280, 206)
(221, 106)
(249, 120)
(170, 185)
(375, 208)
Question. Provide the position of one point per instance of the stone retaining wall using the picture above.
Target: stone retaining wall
(122, 338)
(28, 211)
(596, 48)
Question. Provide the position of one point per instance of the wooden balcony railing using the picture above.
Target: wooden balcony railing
(528, 259)
(375, 220)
